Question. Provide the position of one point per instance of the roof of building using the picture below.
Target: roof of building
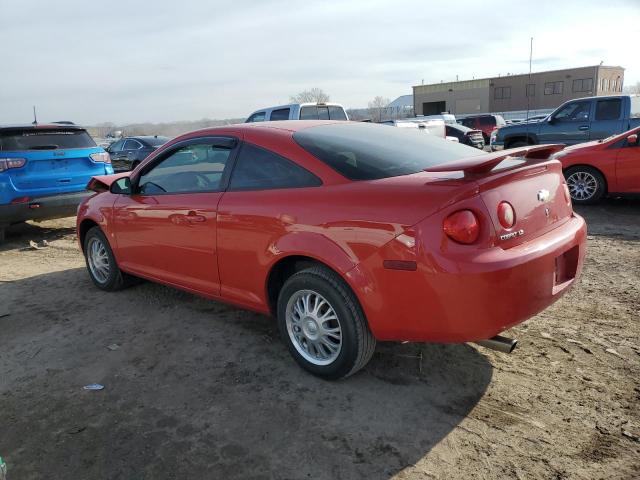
(402, 101)
(521, 74)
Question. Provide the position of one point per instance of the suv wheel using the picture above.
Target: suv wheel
(323, 325)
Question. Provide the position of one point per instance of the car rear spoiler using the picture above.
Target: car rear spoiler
(480, 164)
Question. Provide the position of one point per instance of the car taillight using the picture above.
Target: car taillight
(7, 163)
(102, 157)
(506, 215)
(462, 226)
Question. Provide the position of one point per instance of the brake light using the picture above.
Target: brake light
(7, 163)
(462, 226)
(20, 200)
(506, 215)
(101, 157)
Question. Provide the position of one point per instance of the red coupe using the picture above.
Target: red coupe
(609, 166)
(346, 232)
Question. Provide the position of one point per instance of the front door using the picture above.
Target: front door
(628, 168)
(166, 229)
(569, 125)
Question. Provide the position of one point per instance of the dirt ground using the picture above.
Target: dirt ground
(196, 389)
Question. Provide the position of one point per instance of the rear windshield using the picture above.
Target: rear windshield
(365, 151)
(44, 139)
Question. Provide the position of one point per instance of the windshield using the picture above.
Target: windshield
(44, 139)
(364, 151)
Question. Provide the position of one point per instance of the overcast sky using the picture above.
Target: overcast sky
(91, 61)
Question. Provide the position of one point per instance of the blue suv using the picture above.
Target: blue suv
(44, 171)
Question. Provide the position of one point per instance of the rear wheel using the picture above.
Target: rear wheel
(322, 324)
(586, 184)
(101, 263)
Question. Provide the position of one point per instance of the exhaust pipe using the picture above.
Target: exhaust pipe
(499, 343)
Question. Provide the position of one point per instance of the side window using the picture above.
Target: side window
(260, 169)
(132, 145)
(192, 168)
(256, 117)
(468, 122)
(574, 112)
(309, 113)
(116, 146)
(487, 121)
(608, 109)
(281, 114)
(337, 113)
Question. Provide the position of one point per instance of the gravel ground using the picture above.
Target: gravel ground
(196, 389)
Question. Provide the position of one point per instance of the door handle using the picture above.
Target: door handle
(583, 127)
(193, 217)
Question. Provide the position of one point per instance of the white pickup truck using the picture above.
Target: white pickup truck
(299, 111)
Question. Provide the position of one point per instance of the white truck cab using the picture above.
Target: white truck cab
(299, 111)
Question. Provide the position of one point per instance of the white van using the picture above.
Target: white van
(299, 111)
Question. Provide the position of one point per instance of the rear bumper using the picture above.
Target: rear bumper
(472, 297)
(42, 208)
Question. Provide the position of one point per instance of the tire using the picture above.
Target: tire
(101, 263)
(518, 144)
(135, 164)
(586, 185)
(297, 324)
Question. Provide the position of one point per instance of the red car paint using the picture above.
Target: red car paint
(385, 238)
(614, 157)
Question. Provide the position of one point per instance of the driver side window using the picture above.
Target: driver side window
(190, 169)
(577, 111)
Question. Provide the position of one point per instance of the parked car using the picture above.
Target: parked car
(300, 111)
(465, 135)
(128, 152)
(485, 123)
(44, 170)
(347, 232)
(575, 121)
(447, 118)
(434, 126)
(609, 166)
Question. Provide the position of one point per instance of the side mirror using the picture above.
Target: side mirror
(551, 120)
(632, 139)
(121, 186)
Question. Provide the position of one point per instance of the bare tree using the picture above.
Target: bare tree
(376, 107)
(312, 95)
(631, 89)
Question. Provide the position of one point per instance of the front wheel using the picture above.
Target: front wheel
(101, 263)
(586, 185)
(322, 324)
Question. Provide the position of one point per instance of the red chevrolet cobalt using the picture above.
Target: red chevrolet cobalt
(346, 232)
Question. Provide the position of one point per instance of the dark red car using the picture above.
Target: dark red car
(346, 232)
(609, 166)
(485, 123)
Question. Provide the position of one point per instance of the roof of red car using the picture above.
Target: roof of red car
(289, 125)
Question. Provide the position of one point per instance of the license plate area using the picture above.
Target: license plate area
(567, 266)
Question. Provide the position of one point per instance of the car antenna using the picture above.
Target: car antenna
(526, 121)
(35, 119)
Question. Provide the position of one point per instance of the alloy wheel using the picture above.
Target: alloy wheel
(98, 260)
(582, 185)
(313, 327)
